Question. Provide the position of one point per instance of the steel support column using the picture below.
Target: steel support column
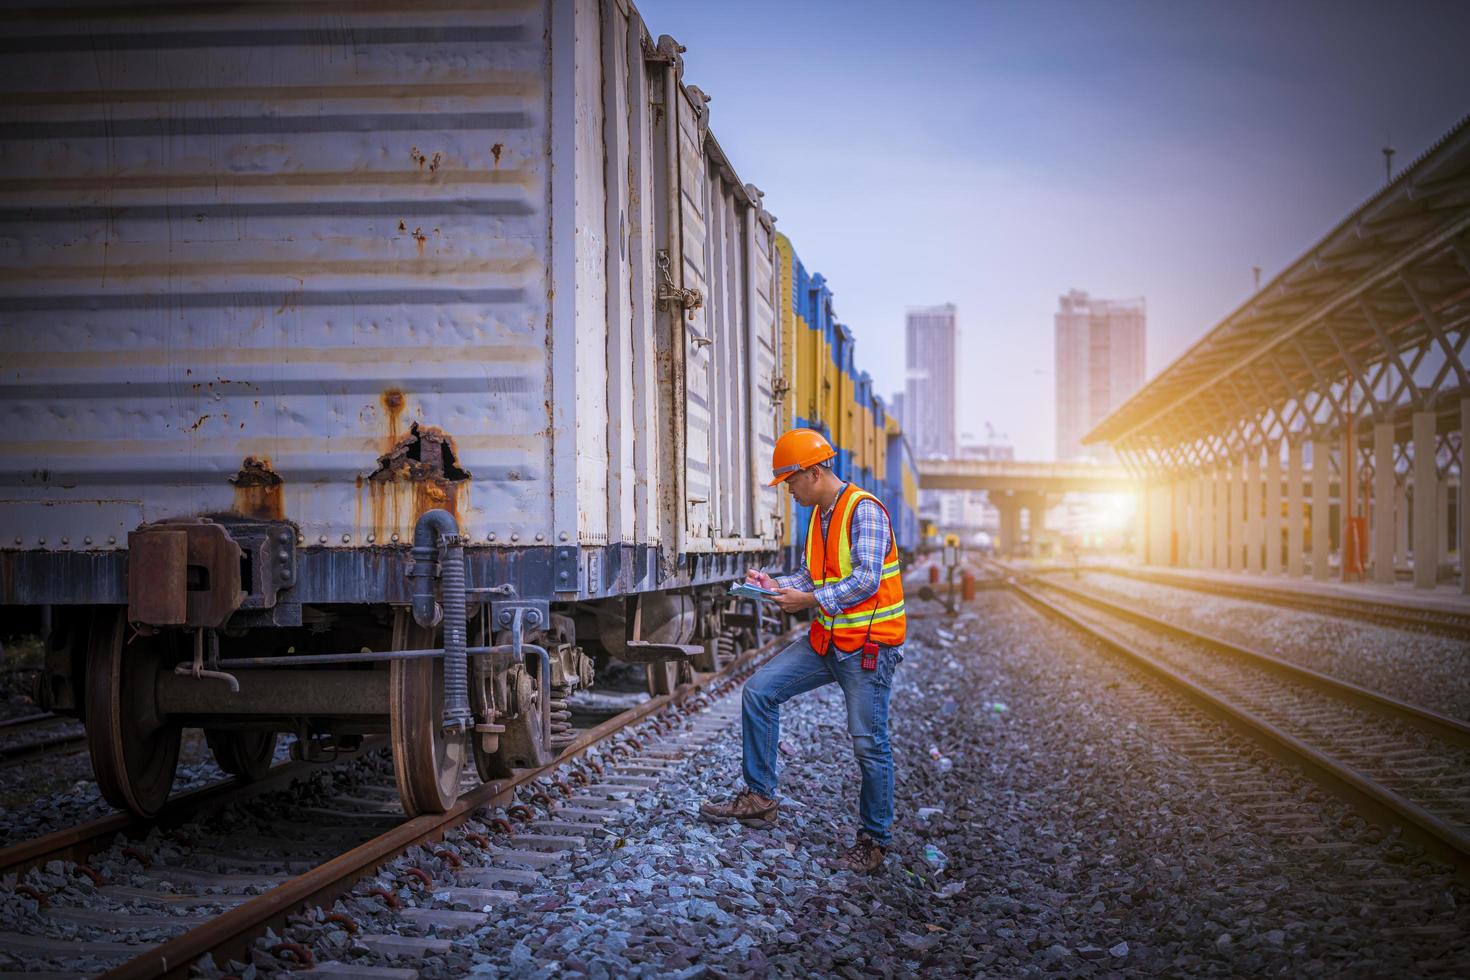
(1446, 504)
(1197, 489)
(1272, 525)
(1222, 516)
(1207, 520)
(1464, 526)
(1383, 501)
(1253, 513)
(1321, 507)
(1401, 522)
(1237, 515)
(1179, 524)
(1294, 507)
(1426, 503)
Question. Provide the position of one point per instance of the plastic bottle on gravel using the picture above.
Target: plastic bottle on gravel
(943, 764)
(935, 857)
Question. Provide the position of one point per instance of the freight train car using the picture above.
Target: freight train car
(370, 374)
(825, 391)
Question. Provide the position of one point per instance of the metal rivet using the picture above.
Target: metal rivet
(372, 538)
(66, 541)
(40, 540)
(540, 536)
(87, 539)
(515, 537)
(322, 539)
(111, 539)
(346, 538)
(394, 537)
(565, 535)
(301, 539)
(19, 539)
(490, 536)
(563, 576)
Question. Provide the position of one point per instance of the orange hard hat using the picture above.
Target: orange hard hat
(796, 450)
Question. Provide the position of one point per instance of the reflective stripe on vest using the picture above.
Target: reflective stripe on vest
(829, 559)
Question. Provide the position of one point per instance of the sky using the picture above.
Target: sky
(995, 155)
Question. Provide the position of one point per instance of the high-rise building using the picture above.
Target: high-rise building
(1099, 364)
(931, 350)
(895, 408)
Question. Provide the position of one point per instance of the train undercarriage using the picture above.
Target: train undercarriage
(455, 676)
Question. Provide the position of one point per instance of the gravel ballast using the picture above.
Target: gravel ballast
(1420, 668)
(1088, 824)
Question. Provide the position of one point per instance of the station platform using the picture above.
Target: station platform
(1444, 599)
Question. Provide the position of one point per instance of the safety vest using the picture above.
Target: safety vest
(829, 559)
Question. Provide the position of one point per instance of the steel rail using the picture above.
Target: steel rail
(1432, 722)
(82, 841)
(228, 934)
(1438, 622)
(40, 717)
(23, 751)
(1382, 803)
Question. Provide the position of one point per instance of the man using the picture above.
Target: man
(850, 576)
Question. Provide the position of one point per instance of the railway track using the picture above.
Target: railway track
(1435, 621)
(30, 736)
(1400, 763)
(235, 881)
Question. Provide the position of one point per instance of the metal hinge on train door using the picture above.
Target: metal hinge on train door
(669, 295)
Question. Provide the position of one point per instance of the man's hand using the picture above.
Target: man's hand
(757, 577)
(794, 600)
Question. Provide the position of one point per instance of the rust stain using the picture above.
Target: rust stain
(258, 490)
(401, 225)
(419, 472)
(198, 422)
(495, 152)
(420, 238)
(434, 163)
(393, 402)
(417, 157)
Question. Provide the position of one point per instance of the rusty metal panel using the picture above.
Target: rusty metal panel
(260, 263)
(157, 577)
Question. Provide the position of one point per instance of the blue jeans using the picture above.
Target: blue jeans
(798, 669)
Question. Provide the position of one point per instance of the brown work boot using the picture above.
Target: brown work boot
(864, 857)
(748, 806)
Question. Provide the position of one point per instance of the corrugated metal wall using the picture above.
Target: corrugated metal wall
(288, 238)
(248, 251)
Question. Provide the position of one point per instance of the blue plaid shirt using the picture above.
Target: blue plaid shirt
(870, 537)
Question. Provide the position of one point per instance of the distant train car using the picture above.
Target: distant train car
(826, 391)
(318, 335)
(901, 491)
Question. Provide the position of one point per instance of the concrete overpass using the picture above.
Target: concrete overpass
(1014, 486)
(1021, 477)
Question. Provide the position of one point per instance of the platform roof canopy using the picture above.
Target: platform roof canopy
(1370, 324)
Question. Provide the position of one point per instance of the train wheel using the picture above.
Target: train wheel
(245, 754)
(427, 761)
(134, 750)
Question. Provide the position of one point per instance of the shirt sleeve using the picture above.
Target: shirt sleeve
(870, 537)
(799, 579)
